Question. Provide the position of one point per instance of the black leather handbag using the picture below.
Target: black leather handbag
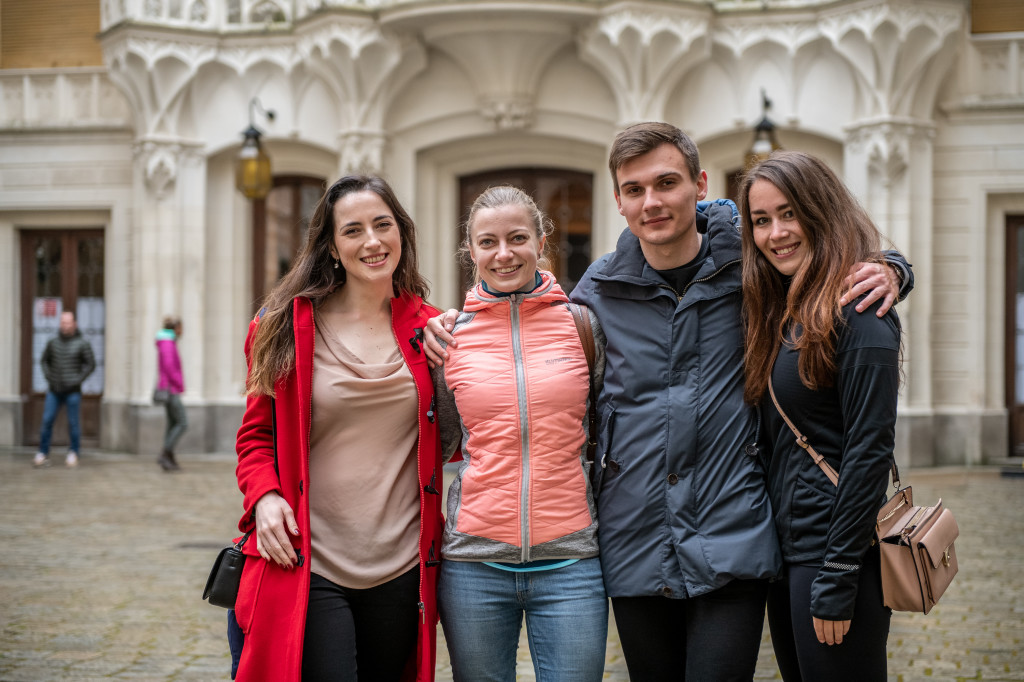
(222, 585)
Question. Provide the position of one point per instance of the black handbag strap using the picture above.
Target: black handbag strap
(241, 542)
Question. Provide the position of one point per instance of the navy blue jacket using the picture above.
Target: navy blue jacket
(682, 507)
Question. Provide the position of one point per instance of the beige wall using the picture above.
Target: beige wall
(46, 34)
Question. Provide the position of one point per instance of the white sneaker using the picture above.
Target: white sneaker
(40, 460)
(71, 461)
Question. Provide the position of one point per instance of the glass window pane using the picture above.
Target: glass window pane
(90, 266)
(310, 193)
(91, 315)
(48, 274)
(46, 312)
(1019, 383)
(285, 230)
(280, 221)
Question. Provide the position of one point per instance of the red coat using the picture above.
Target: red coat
(271, 604)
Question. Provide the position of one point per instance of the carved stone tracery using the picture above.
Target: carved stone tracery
(507, 111)
(362, 151)
(642, 52)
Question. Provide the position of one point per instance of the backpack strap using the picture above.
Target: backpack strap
(581, 316)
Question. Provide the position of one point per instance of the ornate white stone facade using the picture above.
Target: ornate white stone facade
(924, 120)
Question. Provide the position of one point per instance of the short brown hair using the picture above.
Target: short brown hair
(641, 138)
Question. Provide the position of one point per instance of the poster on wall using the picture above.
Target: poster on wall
(90, 315)
(45, 325)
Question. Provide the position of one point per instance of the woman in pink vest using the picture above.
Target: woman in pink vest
(521, 533)
(337, 454)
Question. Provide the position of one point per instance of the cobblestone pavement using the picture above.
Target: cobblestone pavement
(103, 566)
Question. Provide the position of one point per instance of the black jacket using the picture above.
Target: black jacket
(852, 425)
(66, 362)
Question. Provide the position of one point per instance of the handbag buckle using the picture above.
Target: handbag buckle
(945, 557)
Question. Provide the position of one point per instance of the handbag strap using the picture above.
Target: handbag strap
(801, 440)
(243, 539)
(581, 317)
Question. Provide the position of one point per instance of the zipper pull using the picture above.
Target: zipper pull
(430, 412)
(416, 339)
(429, 488)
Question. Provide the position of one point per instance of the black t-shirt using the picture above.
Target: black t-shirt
(679, 278)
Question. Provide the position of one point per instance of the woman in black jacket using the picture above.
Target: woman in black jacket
(835, 374)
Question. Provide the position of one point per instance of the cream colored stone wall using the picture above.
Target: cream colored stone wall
(924, 121)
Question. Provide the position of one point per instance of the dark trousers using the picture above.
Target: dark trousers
(710, 638)
(177, 421)
(366, 635)
(861, 656)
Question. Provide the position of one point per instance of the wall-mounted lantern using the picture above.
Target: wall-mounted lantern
(764, 136)
(252, 167)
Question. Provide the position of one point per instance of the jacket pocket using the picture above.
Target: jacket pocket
(248, 591)
(606, 466)
(810, 517)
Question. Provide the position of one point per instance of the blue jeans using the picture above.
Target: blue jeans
(482, 612)
(73, 402)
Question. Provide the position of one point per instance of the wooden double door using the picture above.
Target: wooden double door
(61, 270)
(1015, 332)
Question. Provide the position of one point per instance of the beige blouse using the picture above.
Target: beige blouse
(363, 484)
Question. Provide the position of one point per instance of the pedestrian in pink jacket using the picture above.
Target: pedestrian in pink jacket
(171, 380)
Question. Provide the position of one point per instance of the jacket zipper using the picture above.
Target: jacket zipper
(704, 279)
(524, 426)
(309, 435)
(419, 460)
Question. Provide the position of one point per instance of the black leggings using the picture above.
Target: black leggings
(861, 656)
(372, 631)
(711, 638)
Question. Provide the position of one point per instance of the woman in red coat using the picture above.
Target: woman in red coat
(338, 456)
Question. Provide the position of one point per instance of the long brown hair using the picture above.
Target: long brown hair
(314, 276)
(839, 233)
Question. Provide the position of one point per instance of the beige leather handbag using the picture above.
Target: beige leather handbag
(916, 543)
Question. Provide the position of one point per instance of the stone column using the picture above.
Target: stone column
(169, 259)
(888, 166)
